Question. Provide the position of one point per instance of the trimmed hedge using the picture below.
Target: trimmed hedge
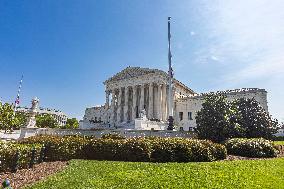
(186, 150)
(254, 147)
(132, 149)
(278, 138)
(8, 155)
(60, 148)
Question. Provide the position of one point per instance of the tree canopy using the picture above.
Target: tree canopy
(10, 120)
(255, 122)
(46, 121)
(71, 123)
(220, 119)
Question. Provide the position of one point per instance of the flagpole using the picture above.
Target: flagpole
(170, 74)
(17, 101)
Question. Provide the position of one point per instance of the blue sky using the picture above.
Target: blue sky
(67, 48)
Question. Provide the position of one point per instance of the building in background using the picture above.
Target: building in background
(280, 131)
(58, 115)
(135, 90)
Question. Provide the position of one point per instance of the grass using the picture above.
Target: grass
(278, 142)
(223, 174)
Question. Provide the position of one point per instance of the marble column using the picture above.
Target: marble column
(164, 89)
(119, 100)
(150, 108)
(159, 112)
(126, 93)
(112, 106)
(142, 94)
(107, 99)
(134, 99)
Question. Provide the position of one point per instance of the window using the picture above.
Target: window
(189, 115)
(180, 116)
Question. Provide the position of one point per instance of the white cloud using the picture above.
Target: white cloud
(249, 38)
(214, 58)
(192, 33)
(249, 33)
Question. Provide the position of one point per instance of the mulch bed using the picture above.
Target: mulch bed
(232, 157)
(24, 177)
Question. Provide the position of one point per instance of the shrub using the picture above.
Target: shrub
(8, 155)
(280, 149)
(278, 138)
(255, 147)
(60, 148)
(185, 150)
(101, 149)
(133, 149)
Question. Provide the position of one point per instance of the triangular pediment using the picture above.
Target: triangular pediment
(131, 72)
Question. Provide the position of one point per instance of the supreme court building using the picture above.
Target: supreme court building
(137, 90)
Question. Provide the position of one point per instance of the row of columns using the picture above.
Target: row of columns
(128, 102)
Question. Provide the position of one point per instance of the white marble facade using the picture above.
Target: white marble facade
(134, 89)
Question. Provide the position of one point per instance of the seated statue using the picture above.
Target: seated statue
(143, 114)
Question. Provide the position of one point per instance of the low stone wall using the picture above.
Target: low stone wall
(27, 132)
(10, 136)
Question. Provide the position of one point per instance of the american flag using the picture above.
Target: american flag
(17, 101)
(171, 74)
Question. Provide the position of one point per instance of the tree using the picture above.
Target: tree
(20, 120)
(6, 117)
(254, 120)
(71, 123)
(214, 120)
(219, 119)
(46, 121)
(10, 120)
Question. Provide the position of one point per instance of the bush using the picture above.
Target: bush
(135, 149)
(60, 148)
(155, 150)
(185, 150)
(8, 155)
(278, 138)
(255, 147)
(132, 149)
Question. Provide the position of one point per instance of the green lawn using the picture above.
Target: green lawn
(227, 174)
(279, 142)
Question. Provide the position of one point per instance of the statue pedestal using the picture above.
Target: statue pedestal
(144, 124)
(31, 123)
(28, 132)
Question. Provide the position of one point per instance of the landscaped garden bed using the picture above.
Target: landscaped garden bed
(24, 177)
(116, 149)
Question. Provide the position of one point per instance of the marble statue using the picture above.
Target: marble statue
(32, 113)
(143, 115)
